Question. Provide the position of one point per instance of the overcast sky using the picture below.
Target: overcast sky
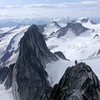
(49, 8)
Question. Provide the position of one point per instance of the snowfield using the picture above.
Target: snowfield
(5, 94)
(6, 29)
(50, 28)
(13, 36)
(77, 47)
(95, 64)
(56, 70)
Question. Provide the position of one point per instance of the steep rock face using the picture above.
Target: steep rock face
(29, 77)
(6, 76)
(34, 43)
(8, 82)
(78, 83)
(76, 28)
(3, 74)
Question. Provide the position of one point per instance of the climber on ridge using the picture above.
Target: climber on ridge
(75, 63)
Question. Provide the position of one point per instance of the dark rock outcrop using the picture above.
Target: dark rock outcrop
(29, 77)
(56, 24)
(85, 20)
(76, 28)
(3, 74)
(98, 52)
(8, 82)
(95, 36)
(78, 83)
(60, 55)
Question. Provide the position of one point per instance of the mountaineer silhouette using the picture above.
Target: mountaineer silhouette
(75, 63)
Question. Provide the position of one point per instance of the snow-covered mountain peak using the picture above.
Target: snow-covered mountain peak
(72, 28)
(50, 28)
(54, 23)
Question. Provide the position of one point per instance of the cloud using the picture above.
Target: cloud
(9, 7)
(55, 5)
(45, 5)
(65, 4)
(85, 7)
(42, 5)
(90, 2)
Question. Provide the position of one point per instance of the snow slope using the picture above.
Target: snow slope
(95, 64)
(56, 69)
(13, 36)
(5, 94)
(50, 28)
(6, 29)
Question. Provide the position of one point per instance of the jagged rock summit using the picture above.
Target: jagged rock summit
(78, 83)
(75, 28)
(29, 77)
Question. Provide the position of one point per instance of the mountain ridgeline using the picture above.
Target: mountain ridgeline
(76, 28)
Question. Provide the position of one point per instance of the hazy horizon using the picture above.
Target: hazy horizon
(49, 8)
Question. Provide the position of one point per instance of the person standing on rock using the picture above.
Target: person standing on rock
(75, 63)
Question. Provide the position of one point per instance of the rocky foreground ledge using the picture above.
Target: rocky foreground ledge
(78, 83)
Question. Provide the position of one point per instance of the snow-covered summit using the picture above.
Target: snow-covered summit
(50, 28)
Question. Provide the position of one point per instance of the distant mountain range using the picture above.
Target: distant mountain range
(39, 21)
